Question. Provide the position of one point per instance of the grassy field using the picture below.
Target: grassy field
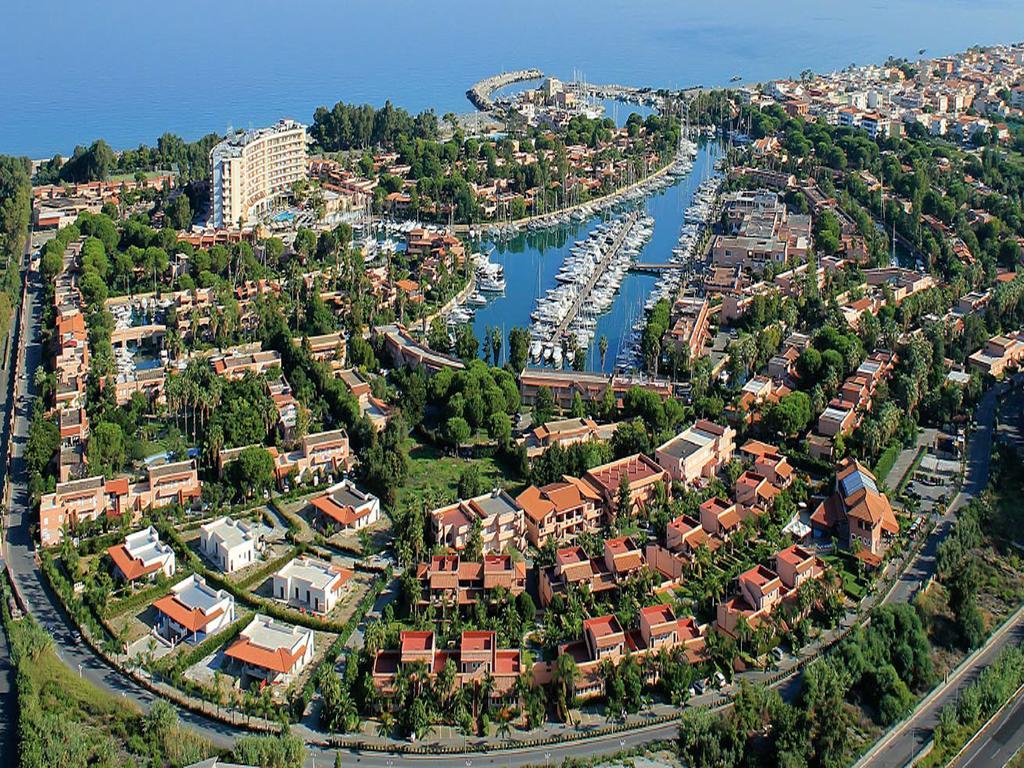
(65, 720)
(434, 475)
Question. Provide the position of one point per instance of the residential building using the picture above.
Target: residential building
(563, 433)
(638, 473)
(698, 452)
(622, 558)
(999, 354)
(229, 544)
(477, 657)
(857, 513)
(450, 580)
(271, 651)
(606, 640)
(565, 385)
(499, 517)
(768, 462)
(684, 534)
(346, 507)
(719, 517)
(249, 170)
(310, 584)
(761, 590)
(142, 556)
(561, 511)
(318, 455)
(405, 350)
(193, 611)
(373, 408)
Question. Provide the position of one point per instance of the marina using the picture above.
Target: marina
(532, 260)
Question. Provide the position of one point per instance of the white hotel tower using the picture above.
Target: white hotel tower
(250, 168)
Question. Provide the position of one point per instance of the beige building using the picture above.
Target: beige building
(252, 168)
(697, 452)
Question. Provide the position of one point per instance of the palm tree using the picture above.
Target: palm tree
(504, 724)
(385, 724)
(602, 346)
(565, 681)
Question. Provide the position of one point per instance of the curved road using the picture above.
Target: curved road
(46, 608)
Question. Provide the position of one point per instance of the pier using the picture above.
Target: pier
(602, 266)
(651, 268)
(480, 93)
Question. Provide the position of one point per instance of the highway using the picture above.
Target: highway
(45, 606)
(898, 747)
(997, 744)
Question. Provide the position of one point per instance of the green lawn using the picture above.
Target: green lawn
(434, 475)
(886, 460)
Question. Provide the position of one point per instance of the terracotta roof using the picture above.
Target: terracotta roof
(276, 660)
(130, 567)
(191, 619)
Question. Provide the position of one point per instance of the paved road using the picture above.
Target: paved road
(979, 453)
(998, 743)
(45, 606)
(8, 704)
(902, 745)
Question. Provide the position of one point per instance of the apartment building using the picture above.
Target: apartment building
(499, 516)
(761, 590)
(406, 351)
(174, 483)
(685, 534)
(698, 452)
(768, 462)
(76, 501)
(1000, 353)
(193, 611)
(640, 474)
(621, 559)
(689, 330)
(271, 651)
(320, 454)
(761, 232)
(845, 411)
(476, 657)
(236, 363)
(373, 408)
(719, 517)
(252, 169)
(563, 433)
(310, 584)
(565, 385)
(450, 580)
(142, 556)
(561, 511)
(606, 640)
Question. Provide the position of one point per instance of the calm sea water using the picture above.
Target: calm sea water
(532, 260)
(128, 71)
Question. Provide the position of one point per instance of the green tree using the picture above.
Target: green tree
(106, 448)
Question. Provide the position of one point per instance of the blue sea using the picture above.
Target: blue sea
(128, 71)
